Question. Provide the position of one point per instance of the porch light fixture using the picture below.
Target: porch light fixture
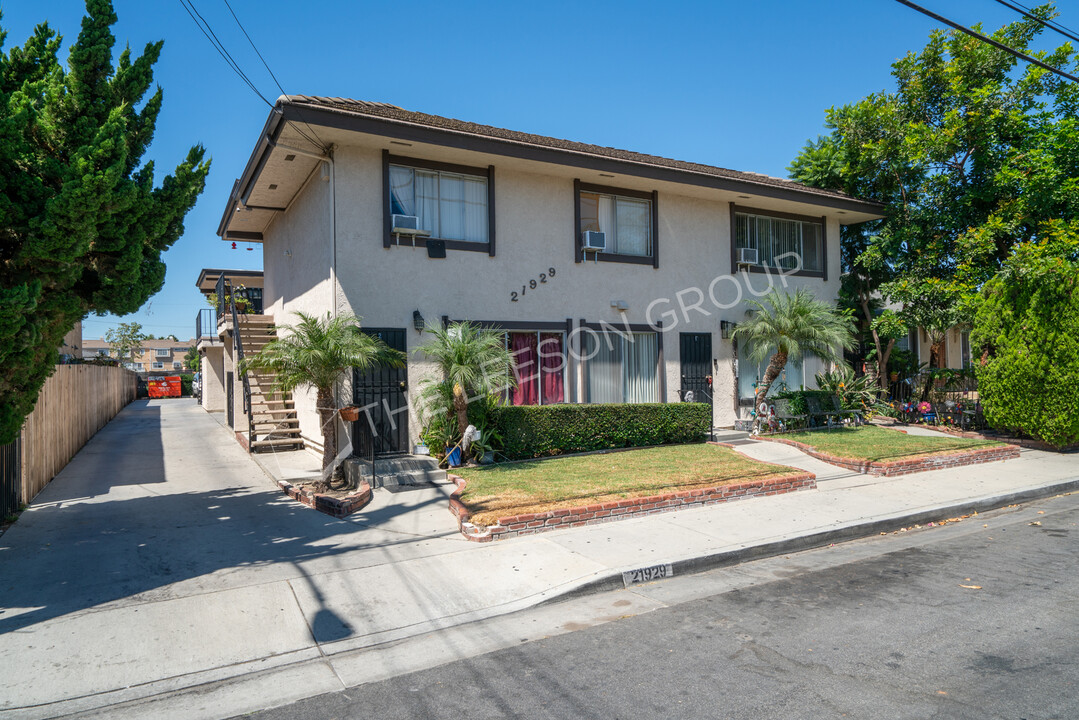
(726, 327)
(417, 321)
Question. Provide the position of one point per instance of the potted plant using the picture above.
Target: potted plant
(349, 413)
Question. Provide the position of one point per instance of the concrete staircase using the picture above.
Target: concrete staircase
(395, 471)
(274, 425)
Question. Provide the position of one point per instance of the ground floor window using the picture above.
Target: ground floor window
(540, 366)
(621, 367)
(791, 377)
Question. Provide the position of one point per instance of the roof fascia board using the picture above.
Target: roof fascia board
(402, 130)
(241, 189)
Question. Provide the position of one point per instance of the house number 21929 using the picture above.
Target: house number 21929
(532, 284)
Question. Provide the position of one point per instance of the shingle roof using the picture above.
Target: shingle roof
(392, 112)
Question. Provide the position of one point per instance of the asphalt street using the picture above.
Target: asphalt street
(976, 619)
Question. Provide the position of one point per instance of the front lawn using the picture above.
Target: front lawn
(540, 485)
(876, 444)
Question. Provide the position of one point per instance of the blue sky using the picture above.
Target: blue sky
(740, 85)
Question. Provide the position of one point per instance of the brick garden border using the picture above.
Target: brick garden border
(891, 468)
(335, 507)
(1029, 443)
(530, 523)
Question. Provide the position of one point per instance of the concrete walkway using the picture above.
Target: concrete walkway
(163, 559)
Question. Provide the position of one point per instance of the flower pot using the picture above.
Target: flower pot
(350, 413)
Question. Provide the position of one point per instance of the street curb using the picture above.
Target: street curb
(613, 580)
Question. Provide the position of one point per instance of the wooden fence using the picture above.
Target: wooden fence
(73, 405)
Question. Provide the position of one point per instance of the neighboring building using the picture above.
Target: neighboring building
(156, 355)
(615, 275)
(72, 346)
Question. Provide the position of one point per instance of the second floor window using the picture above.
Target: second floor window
(625, 221)
(163, 352)
(781, 243)
(450, 206)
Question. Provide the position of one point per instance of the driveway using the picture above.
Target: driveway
(162, 554)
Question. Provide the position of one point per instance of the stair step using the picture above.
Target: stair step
(282, 423)
(285, 433)
(272, 443)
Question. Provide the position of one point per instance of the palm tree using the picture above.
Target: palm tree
(786, 325)
(474, 362)
(317, 352)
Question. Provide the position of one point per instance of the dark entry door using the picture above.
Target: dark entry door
(229, 410)
(382, 396)
(696, 353)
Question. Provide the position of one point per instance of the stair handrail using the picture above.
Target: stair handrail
(239, 363)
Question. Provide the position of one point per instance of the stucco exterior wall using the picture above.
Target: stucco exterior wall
(213, 378)
(297, 265)
(535, 233)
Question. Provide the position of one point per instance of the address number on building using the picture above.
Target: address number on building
(648, 574)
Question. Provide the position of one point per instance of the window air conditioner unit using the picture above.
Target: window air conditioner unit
(406, 225)
(593, 240)
(747, 256)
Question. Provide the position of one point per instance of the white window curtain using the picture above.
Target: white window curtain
(475, 210)
(634, 226)
(781, 241)
(604, 368)
(427, 201)
(449, 206)
(608, 221)
(639, 377)
(402, 191)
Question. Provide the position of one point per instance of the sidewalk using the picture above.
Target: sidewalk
(163, 559)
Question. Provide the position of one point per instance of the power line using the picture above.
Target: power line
(989, 40)
(1052, 25)
(208, 31)
(266, 65)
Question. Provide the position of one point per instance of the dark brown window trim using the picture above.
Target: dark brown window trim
(822, 221)
(579, 254)
(388, 238)
(516, 325)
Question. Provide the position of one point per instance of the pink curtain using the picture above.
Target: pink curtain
(552, 362)
(526, 362)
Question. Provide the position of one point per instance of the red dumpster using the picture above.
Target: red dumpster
(159, 387)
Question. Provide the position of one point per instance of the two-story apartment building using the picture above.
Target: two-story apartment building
(158, 355)
(615, 276)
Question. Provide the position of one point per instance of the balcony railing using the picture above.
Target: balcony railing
(205, 325)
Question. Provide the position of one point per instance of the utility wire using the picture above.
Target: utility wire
(212, 37)
(208, 31)
(1022, 10)
(266, 65)
(989, 40)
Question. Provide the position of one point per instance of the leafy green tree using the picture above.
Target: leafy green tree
(317, 352)
(972, 153)
(1027, 333)
(786, 325)
(191, 359)
(474, 364)
(83, 225)
(126, 339)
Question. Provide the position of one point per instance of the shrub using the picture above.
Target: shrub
(538, 431)
(1027, 330)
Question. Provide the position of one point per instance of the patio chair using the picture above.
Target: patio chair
(818, 411)
(784, 413)
(855, 415)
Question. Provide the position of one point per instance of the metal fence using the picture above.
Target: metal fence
(939, 396)
(10, 477)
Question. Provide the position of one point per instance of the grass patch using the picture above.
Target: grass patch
(540, 485)
(877, 444)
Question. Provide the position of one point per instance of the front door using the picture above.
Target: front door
(382, 396)
(696, 353)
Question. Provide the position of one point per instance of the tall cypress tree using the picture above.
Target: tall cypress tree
(82, 226)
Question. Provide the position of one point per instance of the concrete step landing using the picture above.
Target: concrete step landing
(394, 471)
(722, 435)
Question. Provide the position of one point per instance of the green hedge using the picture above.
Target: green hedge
(1026, 345)
(539, 431)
